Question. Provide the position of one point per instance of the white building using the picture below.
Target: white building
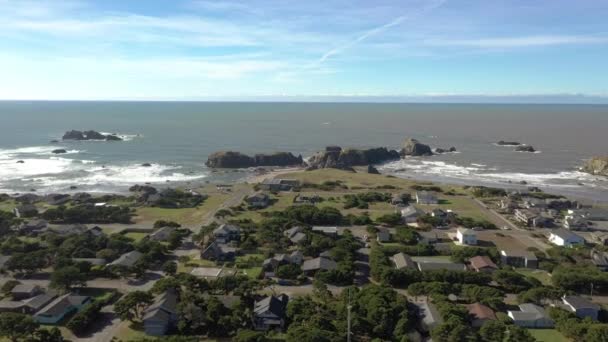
(565, 238)
(466, 236)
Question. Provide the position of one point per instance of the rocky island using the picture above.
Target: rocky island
(89, 135)
(414, 148)
(508, 143)
(525, 148)
(337, 158)
(235, 160)
(597, 166)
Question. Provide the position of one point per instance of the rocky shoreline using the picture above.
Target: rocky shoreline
(597, 166)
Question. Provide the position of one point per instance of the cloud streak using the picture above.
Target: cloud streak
(519, 42)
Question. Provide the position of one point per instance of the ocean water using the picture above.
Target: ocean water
(177, 137)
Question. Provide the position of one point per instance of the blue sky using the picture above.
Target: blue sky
(200, 49)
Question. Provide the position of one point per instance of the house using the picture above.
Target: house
(33, 226)
(383, 235)
(27, 306)
(226, 233)
(430, 264)
(429, 316)
(533, 218)
(508, 204)
(400, 200)
(430, 237)
(72, 229)
(402, 261)
(532, 202)
(480, 314)
(565, 238)
(23, 291)
(270, 313)
(295, 234)
(331, 231)
(466, 236)
(95, 231)
(127, 260)
(600, 259)
(219, 251)
(306, 199)
(312, 266)
(581, 307)
(600, 237)
(425, 197)
(531, 316)
(410, 214)
(258, 200)
(276, 184)
(162, 234)
(482, 263)
(60, 307)
(162, 314)
(25, 210)
(271, 264)
(519, 259)
(575, 222)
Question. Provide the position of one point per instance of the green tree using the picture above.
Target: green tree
(492, 331)
(67, 277)
(48, 335)
(170, 268)
(132, 306)
(15, 326)
(517, 334)
(250, 336)
(597, 333)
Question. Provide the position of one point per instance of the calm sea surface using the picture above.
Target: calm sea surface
(177, 138)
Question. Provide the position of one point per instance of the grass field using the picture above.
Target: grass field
(548, 335)
(541, 275)
(136, 236)
(188, 217)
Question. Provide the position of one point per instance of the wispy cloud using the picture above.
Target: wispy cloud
(516, 42)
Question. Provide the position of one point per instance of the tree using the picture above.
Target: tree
(132, 306)
(289, 271)
(15, 326)
(45, 335)
(597, 333)
(170, 268)
(492, 331)
(517, 334)
(67, 277)
(250, 336)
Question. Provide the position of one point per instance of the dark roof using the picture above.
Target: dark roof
(128, 259)
(320, 263)
(24, 288)
(272, 304)
(61, 304)
(227, 229)
(482, 261)
(578, 303)
(403, 261)
(164, 305)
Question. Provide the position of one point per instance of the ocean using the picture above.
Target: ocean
(177, 137)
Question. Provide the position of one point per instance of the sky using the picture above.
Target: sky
(473, 50)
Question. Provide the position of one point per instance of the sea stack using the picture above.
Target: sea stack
(597, 166)
(89, 135)
(337, 158)
(412, 147)
(236, 160)
(525, 148)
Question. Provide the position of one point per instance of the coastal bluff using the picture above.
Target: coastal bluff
(337, 158)
(597, 166)
(89, 135)
(237, 160)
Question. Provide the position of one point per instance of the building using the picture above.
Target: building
(271, 264)
(227, 233)
(270, 313)
(429, 316)
(73, 229)
(533, 218)
(480, 314)
(312, 266)
(600, 259)
(277, 184)
(591, 214)
(162, 314)
(532, 202)
(400, 200)
(482, 263)
(519, 259)
(331, 231)
(575, 222)
(531, 316)
(434, 264)
(296, 235)
(258, 200)
(127, 260)
(581, 307)
(466, 236)
(212, 273)
(383, 235)
(403, 261)
(219, 251)
(565, 238)
(162, 234)
(410, 214)
(425, 197)
(33, 226)
(508, 204)
(60, 307)
(23, 291)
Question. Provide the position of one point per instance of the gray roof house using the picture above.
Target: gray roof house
(295, 234)
(27, 306)
(410, 214)
(161, 234)
(33, 226)
(402, 261)
(515, 258)
(258, 200)
(127, 260)
(429, 316)
(219, 251)
(23, 291)
(269, 313)
(531, 316)
(226, 233)
(60, 307)
(162, 314)
(332, 231)
(581, 307)
(383, 235)
(310, 267)
(425, 197)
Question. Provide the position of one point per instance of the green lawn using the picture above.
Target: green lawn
(252, 272)
(548, 335)
(461, 205)
(542, 276)
(136, 236)
(8, 205)
(189, 217)
(188, 266)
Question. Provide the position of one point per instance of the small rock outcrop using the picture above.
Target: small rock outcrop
(597, 166)
(412, 147)
(89, 135)
(440, 150)
(525, 148)
(337, 158)
(59, 151)
(234, 160)
(20, 162)
(146, 164)
(508, 143)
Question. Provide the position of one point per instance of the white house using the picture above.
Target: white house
(565, 238)
(466, 236)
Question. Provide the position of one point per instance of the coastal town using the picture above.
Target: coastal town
(333, 252)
